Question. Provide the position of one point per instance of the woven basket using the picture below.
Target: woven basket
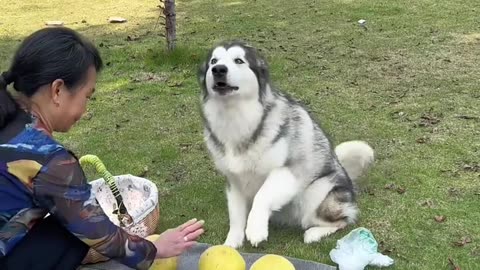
(130, 202)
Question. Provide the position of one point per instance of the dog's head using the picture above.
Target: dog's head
(234, 69)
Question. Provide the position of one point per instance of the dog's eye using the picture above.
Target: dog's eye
(239, 61)
(213, 61)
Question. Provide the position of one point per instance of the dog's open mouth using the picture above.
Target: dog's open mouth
(224, 88)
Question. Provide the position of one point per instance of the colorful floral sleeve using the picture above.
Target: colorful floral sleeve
(61, 187)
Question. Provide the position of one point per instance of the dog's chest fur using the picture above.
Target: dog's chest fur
(246, 163)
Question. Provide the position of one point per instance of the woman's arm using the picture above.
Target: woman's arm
(62, 188)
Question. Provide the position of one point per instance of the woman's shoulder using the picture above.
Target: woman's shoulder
(34, 141)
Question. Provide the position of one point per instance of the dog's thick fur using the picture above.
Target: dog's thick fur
(279, 164)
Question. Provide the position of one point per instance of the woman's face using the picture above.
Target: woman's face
(71, 104)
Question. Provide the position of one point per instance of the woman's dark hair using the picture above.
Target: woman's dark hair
(46, 55)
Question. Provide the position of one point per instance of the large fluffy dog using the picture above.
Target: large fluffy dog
(279, 164)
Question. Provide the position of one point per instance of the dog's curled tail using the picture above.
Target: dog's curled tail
(356, 157)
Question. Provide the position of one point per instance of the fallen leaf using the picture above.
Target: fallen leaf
(369, 191)
(130, 38)
(398, 114)
(428, 119)
(451, 173)
(462, 242)
(423, 139)
(468, 117)
(87, 116)
(452, 264)
(467, 167)
(398, 189)
(177, 175)
(428, 203)
(385, 249)
(471, 167)
(174, 83)
(149, 77)
(144, 172)
(440, 219)
(185, 146)
(453, 192)
(390, 186)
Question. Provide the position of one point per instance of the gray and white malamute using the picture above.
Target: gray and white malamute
(279, 164)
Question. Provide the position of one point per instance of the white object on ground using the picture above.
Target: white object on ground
(117, 20)
(54, 23)
(362, 22)
(358, 249)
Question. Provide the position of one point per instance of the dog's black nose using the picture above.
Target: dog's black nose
(219, 70)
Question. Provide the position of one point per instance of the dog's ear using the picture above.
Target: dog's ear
(264, 77)
(202, 73)
(262, 65)
(201, 76)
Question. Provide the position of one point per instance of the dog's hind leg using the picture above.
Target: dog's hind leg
(334, 213)
(279, 189)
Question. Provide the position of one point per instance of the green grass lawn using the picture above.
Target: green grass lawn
(407, 85)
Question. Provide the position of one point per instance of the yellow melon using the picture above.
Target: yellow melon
(272, 262)
(221, 258)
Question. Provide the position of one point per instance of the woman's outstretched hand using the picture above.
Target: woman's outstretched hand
(174, 242)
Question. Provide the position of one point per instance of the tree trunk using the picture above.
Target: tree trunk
(170, 22)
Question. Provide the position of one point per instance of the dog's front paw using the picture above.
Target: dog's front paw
(257, 234)
(235, 239)
(257, 229)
